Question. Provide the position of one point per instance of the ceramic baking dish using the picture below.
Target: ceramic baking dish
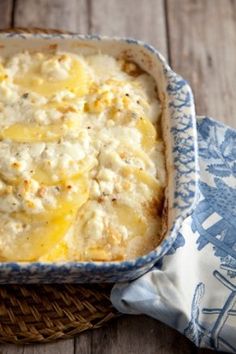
(179, 131)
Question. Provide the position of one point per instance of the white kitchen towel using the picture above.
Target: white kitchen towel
(193, 287)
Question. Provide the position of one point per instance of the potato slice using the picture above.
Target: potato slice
(32, 133)
(98, 254)
(77, 82)
(44, 177)
(128, 151)
(155, 201)
(67, 205)
(3, 75)
(143, 177)
(57, 253)
(47, 229)
(131, 219)
(148, 131)
(40, 237)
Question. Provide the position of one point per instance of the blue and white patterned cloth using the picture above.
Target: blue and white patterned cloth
(193, 288)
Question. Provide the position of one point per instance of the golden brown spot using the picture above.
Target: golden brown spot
(118, 257)
(126, 185)
(53, 47)
(41, 192)
(93, 88)
(100, 200)
(154, 207)
(125, 172)
(123, 154)
(30, 204)
(62, 58)
(132, 69)
(15, 165)
(86, 107)
(67, 109)
(6, 191)
(26, 184)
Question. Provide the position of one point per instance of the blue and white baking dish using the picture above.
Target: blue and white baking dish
(179, 131)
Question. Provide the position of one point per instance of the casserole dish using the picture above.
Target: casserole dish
(179, 134)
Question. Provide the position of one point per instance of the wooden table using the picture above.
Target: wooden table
(199, 39)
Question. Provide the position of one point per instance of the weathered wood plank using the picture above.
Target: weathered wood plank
(139, 334)
(11, 349)
(84, 344)
(70, 15)
(60, 347)
(143, 20)
(6, 13)
(206, 351)
(202, 42)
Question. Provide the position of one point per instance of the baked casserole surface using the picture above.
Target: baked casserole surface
(82, 164)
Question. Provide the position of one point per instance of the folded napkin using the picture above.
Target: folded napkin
(193, 287)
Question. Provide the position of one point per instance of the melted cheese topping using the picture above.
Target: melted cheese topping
(82, 169)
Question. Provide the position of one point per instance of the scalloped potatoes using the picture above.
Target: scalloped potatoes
(82, 168)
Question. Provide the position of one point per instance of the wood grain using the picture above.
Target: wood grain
(6, 7)
(140, 19)
(70, 15)
(138, 334)
(84, 344)
(60, 347)
(202, 37)
(207, 351)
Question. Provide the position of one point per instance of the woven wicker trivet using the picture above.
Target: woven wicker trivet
(43, 313)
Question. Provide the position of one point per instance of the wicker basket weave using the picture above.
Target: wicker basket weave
(43, 313)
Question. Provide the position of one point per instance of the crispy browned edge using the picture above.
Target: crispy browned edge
(163, 98)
